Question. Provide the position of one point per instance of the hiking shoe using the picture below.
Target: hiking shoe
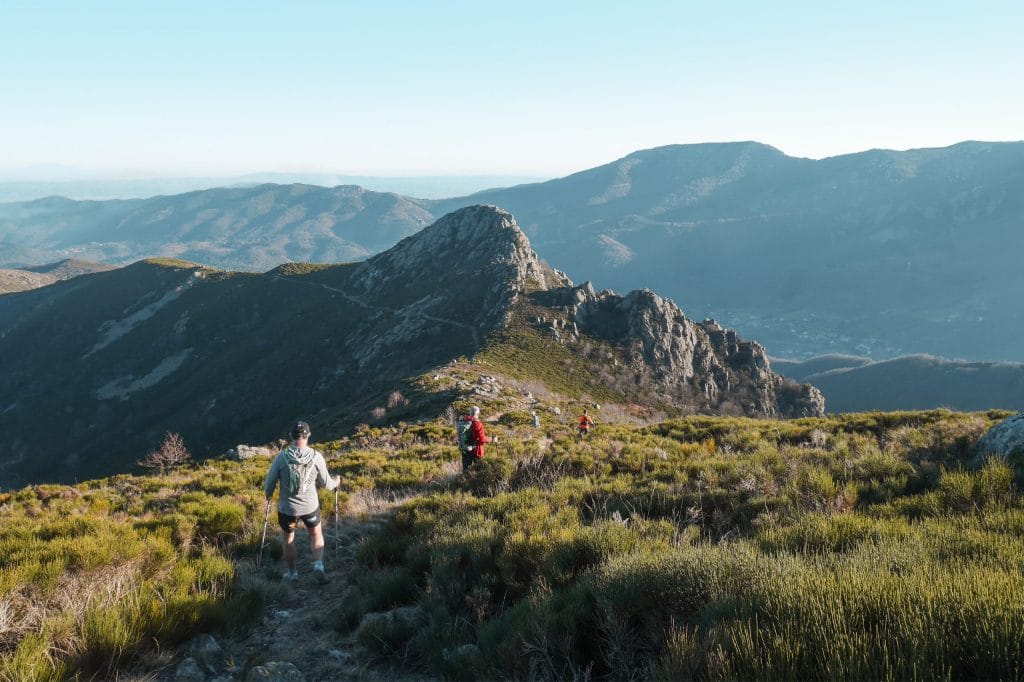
(290, 576)
(320, 576)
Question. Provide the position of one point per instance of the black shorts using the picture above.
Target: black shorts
(468, 457)
(288, 523)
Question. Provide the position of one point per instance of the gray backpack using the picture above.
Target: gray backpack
(462, 428)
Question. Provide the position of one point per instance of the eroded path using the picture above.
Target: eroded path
(294, 637)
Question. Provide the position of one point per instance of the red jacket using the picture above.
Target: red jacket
(477, 437)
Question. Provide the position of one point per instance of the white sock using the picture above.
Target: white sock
(318, 565)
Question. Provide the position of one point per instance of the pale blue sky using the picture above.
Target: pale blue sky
(505, 87)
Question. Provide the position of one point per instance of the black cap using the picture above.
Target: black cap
(300, 430)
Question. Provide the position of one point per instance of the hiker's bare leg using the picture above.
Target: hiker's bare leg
(289, 549)
(316, 541)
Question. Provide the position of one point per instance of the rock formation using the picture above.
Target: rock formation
(1005, 439)
(701, 365)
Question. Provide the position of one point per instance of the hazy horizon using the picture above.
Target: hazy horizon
(403, 89)
(60, 173)
(99, 186)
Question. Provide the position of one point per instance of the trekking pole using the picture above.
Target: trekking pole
(337, 521)
(263, 541)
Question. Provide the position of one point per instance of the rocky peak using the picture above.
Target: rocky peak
(476, 254)
(466, 242)
(701, 365)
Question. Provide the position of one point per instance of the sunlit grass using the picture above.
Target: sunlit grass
(858, 546)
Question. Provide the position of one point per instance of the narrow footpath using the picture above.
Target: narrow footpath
(294, 639)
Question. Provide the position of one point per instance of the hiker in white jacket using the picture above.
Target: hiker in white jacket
(300, 470)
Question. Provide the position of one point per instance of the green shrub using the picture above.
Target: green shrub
(385, 635)
(956, 490)
(516, 418)
(703, 547)
(33, 659)
(681, 656)
(993, 484)
(488, 476)
(387, 588)
(107, 633)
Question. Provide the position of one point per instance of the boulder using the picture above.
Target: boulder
(205, 650)
(461, 653)
(277, 671)
(1005, 439)
(189, 671)
(240, 453)
(405, 615)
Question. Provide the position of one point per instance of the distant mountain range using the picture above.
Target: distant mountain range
(915, 382)
(94, 369)
(878, 254)
(91, 188)
(250, 228)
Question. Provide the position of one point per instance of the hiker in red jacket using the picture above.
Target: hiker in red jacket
(586, 421)
(475, 439)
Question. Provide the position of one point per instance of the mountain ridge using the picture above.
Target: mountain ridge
(853, 384)
(861, 253)
(119, 357)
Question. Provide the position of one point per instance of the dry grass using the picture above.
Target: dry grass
(31, 609)
(377, 502)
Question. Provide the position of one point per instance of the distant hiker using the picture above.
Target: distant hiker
(300, 470)
(536, 420)
(586, 421)
(472, 438)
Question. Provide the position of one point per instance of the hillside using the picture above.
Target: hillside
(248, 228)
(104, 364)
(875, 253)
(68, 268)
(23, 280)
(852, 547)
(800, 369)
(863, 254)
(33, 277)
(913, 382)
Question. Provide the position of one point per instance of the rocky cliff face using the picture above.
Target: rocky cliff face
(702, 366)
(475, 260)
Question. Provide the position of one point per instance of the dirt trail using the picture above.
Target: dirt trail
(395, 311)
(296, 625)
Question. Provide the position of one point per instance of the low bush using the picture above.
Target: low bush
(856, 546)
(488, 476)
(89, 577)
(715, 548)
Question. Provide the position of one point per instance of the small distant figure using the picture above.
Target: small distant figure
(472, 438)
(299, 470)
(536, 420)
(586, 421)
